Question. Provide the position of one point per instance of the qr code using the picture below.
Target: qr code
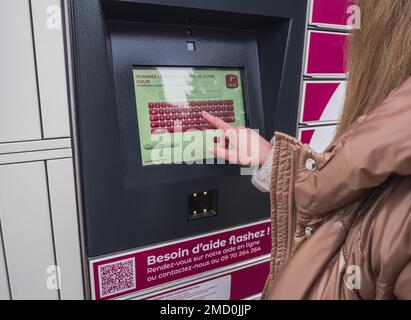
(117, 277)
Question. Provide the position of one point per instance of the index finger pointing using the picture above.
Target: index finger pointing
(216, 122)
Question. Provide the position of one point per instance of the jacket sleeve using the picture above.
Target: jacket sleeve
(377, 145)
(261, 176)
(402, 288)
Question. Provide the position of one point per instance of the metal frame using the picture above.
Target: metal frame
(68, 36)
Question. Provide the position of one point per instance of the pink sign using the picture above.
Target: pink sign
(307, 135)
(142, 269)
(242, 284)
(323, 101)
(326, 53)
(332, 12)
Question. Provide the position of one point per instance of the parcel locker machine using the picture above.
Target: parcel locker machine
(144, 71)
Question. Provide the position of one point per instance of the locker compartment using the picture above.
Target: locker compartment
(49, 45)
(27, 231)
(318, 138)
(330, 13)
(325, 55)
(322, 101)
(19, 109)
(65, 227)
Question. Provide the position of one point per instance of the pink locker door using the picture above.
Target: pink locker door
(330, 12)
(322, 101)
(325, 54)
(318, 138)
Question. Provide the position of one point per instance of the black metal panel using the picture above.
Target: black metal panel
(126, 205)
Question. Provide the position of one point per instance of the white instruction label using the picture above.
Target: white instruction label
(216, 289)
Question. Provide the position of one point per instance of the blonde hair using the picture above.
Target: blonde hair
(379, 58)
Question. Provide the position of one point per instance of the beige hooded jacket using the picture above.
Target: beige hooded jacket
(341, 220)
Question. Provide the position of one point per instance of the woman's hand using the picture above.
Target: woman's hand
(239, 145)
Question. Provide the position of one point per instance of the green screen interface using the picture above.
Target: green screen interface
(169, 105)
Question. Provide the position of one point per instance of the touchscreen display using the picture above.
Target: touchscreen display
(169, 102)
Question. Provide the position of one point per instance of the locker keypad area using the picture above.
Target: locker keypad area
(180, 116)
